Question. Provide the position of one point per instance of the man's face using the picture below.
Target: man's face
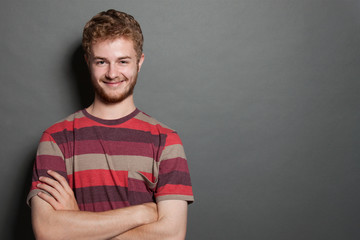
(114, 68)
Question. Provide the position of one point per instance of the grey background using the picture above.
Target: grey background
(264, 94)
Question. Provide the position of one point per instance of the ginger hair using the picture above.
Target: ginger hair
(112, 24)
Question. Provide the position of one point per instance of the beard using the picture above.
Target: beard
(108, 98)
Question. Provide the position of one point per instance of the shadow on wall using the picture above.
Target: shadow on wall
(21, 226)
(80, 86)
(80, 77)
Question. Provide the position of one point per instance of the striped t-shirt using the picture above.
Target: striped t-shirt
(111, 164)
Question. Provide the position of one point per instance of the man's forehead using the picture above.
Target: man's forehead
(110, 40)
(119, 43)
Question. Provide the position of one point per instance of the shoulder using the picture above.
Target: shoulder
(66, 123)
(153, 123)
(156, 127)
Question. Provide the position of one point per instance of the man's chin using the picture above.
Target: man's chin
(112, 99)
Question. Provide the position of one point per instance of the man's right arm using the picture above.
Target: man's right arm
(49, 223)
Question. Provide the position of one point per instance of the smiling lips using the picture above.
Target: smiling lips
(114, 83)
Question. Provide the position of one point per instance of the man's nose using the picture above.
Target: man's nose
(112, 72)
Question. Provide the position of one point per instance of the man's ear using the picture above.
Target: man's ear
(141, 60)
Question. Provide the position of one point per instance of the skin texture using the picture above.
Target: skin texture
(114, 68)
(58, 216)
(171, 222)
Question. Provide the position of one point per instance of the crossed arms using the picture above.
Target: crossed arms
(58, 217)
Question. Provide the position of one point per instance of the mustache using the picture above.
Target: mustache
(117, 79)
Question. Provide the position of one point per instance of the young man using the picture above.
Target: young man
(110, 171)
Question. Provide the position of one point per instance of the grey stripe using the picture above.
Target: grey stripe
(105, 161)
(173, 151)
(49, 148)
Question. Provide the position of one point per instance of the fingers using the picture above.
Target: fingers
(49, 186)
(54, 187)
(60, 179)
(61, 195)
(49, 199)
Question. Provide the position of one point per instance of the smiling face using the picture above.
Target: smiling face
(114, 68)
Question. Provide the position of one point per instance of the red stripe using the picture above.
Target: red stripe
(69, 125)
(46, 138)
(92, 178)
(171, 189)
(172, 139)
(135, 124)
(138, 124)
(34, 185)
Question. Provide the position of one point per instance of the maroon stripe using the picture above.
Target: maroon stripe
(100, 194)
(108, 134)
(174, 164)
(136, 185)
(175, 177)
(110, 148)
(139, 192)
(44, 163)
(43, 172)
(140, 198)
(111, 122)
(111, 194)
(55, 163)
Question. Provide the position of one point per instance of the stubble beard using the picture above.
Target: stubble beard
(111, 99)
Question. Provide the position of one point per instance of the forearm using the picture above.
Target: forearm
(51, 224)
(153, 231)
(170, 226)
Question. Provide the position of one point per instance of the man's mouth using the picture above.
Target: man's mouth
(114, 83)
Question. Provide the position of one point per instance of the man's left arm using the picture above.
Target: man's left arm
(170, 225)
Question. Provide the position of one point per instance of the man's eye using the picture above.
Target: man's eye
(100, 62)
(123, 62)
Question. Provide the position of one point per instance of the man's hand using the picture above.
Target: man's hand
(62, 196)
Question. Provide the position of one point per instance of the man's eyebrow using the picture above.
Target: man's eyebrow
(96, 57)
(124, 57)
(104, 58)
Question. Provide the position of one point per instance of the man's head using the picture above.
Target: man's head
(112, 42)
(109, 25)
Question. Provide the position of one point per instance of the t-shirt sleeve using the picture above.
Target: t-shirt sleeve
(48, 157)
(174, 178)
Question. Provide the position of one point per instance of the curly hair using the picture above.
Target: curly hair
(112, 24)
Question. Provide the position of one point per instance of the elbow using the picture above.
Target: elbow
(180, 235)
(43, 232)
(175, 233)
(176, 237)
(40, 236)
(46, 233)
(44, 223)
(46, 229)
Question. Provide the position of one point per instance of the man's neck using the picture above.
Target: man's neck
(112, 111)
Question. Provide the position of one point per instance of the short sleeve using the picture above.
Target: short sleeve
(48, 157)
(174, 181)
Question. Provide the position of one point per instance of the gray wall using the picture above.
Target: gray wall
(264, 93)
